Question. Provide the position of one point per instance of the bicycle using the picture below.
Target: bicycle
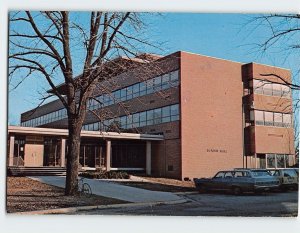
(84, 189)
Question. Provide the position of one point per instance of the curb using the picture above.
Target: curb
(183, 193)
(84, 208)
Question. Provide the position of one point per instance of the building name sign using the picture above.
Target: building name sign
(216, 150)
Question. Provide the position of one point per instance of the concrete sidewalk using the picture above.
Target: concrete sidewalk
(115, 190)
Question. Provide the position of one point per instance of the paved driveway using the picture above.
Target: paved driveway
(271, 204)
(114, 190)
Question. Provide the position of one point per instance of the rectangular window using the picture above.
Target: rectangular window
(258, 86)
(142, 88)
(123, 94)
(150, 117)
(280, 161)
(110, 99)
(100, 100)
(96, 126)
(259, 117)
(166, 114)
(117, 96)
(287, 120)
(123, 122)
(157, 116)
(278, 119)
(270, 161)
(269, 118)
(129, 121)
(143, 119)
(157, 83)
(268, 88)
(90, 127)
(136, 90)
(277, 89)
(149, 84)
(135, 120)
(174, 79)
(106, 99)
(129, 93)
(105, 125)
(165, 81)
(175, 112)
(286, 91)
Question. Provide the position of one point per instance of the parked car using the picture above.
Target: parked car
(297, 171)
(288, 177)
(238, 181)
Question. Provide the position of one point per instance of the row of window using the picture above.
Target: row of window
(50, 117)
(277, 161)
(272, 89)
(139, 89)
(140, 119)
(271, 118)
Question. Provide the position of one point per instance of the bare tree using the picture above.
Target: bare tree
(54, 44)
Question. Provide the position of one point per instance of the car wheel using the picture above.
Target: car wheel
(283, 189)
(236, 190)
(259, 192)
(203, 189)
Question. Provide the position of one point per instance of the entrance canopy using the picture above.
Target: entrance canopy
(34, 147)
(84, 133)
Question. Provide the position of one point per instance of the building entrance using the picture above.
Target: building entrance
(92, 154)
(52, 147)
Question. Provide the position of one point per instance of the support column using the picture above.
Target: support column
(11, 150)
(63, 153)
(148, 157)
(108, 154)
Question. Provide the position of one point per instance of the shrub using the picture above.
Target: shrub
(105, 174)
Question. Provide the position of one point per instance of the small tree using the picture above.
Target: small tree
(46, 43)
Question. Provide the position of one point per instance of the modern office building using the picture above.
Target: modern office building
(191, 116)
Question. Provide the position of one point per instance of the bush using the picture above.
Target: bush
(105, 175)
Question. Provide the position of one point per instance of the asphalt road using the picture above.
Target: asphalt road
(270, 204)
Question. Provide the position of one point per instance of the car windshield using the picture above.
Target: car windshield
(260, 173)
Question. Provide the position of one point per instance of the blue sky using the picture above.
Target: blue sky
(225, 36)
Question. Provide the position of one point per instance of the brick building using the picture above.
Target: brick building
(191, 116)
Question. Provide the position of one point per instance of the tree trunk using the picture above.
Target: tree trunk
(73, 158)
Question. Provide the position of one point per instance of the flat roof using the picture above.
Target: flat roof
(84, 133)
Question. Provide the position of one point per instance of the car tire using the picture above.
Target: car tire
(203, 189)
(258, 192)
(236, 190)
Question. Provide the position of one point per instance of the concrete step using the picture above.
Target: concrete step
(40, 171)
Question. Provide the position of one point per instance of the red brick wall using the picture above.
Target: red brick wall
(211, 115)
(276, 140)
(165, 155)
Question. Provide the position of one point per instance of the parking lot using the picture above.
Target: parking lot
(216, 204)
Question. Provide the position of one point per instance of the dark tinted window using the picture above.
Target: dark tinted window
(219, 175)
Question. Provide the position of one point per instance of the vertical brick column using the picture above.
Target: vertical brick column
(108, 154)
(148, 157)
(11, 150)
(63, 152)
